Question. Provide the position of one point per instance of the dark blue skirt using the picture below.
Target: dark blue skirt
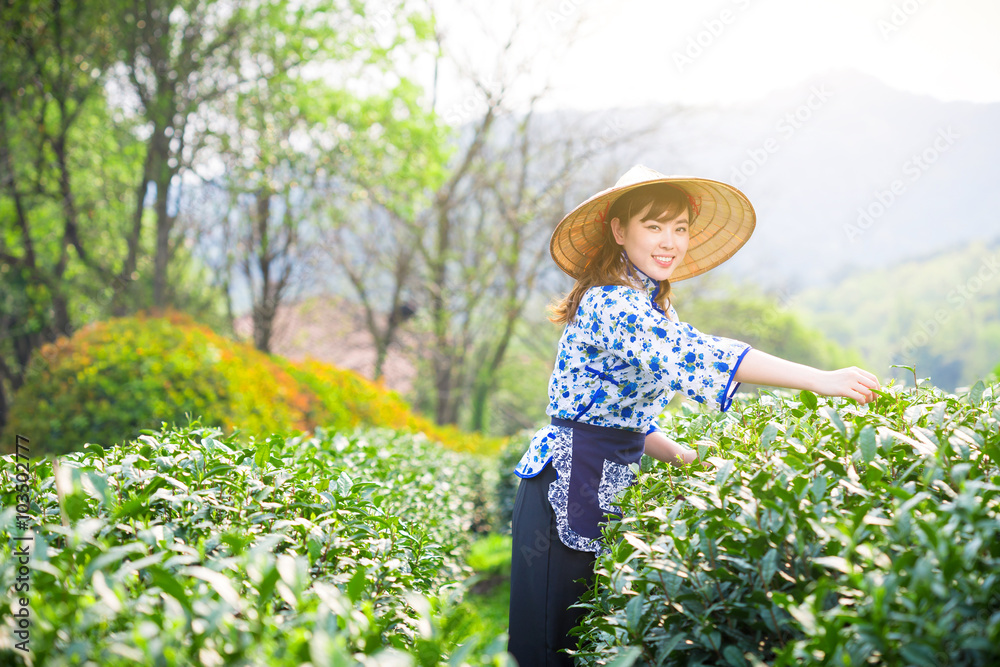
(556, 531)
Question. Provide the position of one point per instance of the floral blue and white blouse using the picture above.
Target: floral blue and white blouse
(619, 363)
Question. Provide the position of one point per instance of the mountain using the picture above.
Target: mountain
(845, 173)
(937, 313)
(878, 218)
(849, 177)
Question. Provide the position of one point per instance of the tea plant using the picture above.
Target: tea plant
(819, 533)
(188, 548)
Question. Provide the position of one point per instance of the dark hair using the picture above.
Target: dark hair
(608, 266)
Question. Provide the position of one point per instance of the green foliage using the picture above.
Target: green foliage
(489, 589)
(491, 554)
(345, 399)
(743, 313)
(830, 534)
(521, 394)
(114, 378)
(818, 532)
(938, 314)
(186, 547)
(507, 481)
(78, 158)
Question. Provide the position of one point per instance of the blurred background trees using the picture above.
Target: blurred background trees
(229, 158)
(132, 131)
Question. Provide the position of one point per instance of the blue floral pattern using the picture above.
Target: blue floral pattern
(562, 460)
(615, 478)
(621, 360)
(593, 465)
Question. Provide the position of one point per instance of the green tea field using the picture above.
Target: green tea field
(813, 532)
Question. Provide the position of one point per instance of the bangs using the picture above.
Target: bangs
(665, 202)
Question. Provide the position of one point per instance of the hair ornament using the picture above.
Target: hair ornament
(600, 220)
(695, 204)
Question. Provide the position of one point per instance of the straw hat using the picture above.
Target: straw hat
(724, 221)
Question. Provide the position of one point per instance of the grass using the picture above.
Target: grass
(489, 590)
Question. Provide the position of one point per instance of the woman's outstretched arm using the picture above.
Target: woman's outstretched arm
(761, 368)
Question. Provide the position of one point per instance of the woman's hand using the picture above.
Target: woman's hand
(662, 448)
(852, 382)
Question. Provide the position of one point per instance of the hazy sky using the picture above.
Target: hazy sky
(631, 52)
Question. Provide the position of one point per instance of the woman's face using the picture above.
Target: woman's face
(655, 247)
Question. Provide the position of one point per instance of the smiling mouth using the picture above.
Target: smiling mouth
(663, 260)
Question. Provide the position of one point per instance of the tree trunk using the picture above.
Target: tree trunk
(164, 225)
(122, 286)
(264, 310)
(61, 323)
(262, 324)
(480, 402)
(162, 242)
(442, 387)
(5, 376)
(443, 366)
(3, 406)
(486, 379)
(381, 353)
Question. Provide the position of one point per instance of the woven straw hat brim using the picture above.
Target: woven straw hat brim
(723, 226)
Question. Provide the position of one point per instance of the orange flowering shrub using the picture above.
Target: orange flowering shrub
(114, 378)
(345, 399)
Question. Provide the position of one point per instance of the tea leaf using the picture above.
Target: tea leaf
(976, 393)
(809, 400)
(867, 443)
(356, 586)
(768, 435)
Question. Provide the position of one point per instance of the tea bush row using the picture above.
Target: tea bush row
(818, 533)
(187, 547)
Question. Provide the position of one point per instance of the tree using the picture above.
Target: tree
(513, 180)
(470, 259)
(101, 101)
(178, 57)
(302, 151)
(54, 55)
(267, 184)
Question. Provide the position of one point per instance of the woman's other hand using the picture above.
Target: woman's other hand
(662, 448)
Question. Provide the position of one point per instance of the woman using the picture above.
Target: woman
(622, 356)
